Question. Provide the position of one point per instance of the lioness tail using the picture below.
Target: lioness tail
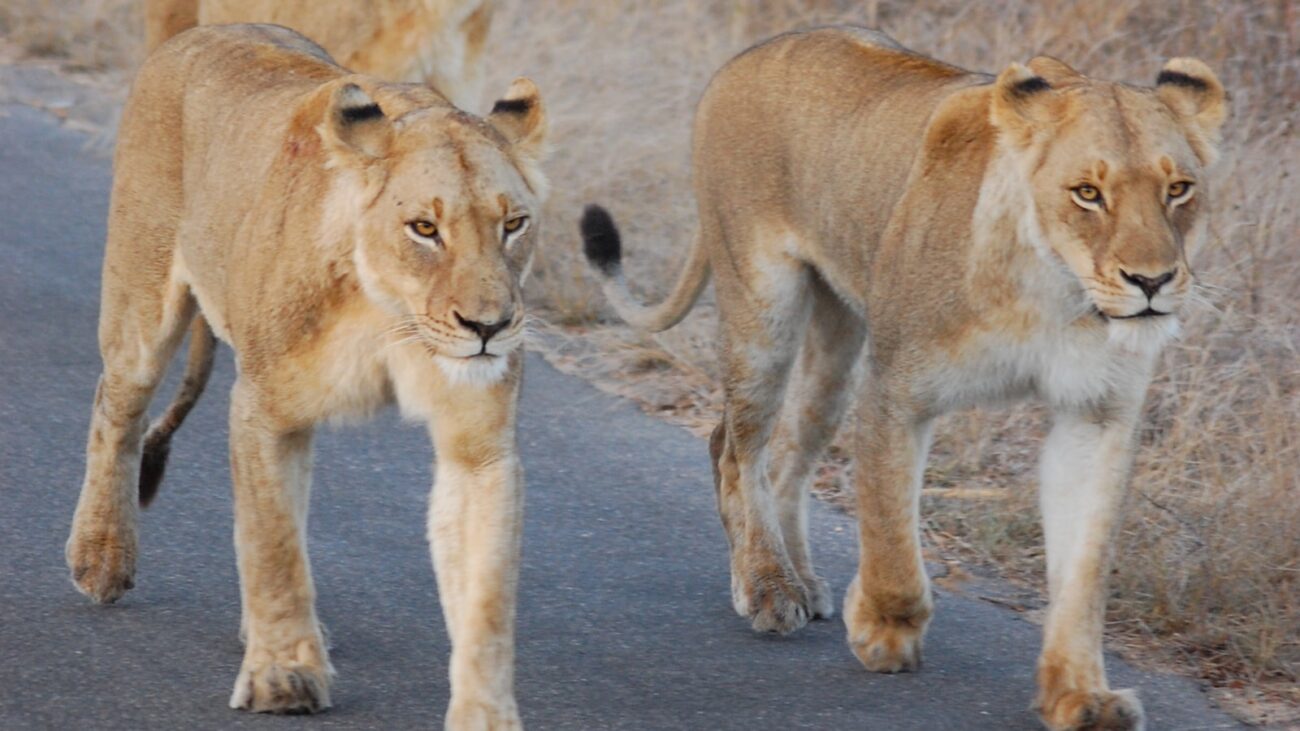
(604, 250)
(158, 440)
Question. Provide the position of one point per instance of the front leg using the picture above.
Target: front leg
(475, 522)
(1084, 472)
(888, 605)
(286, 667)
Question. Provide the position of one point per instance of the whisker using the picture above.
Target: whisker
(1198, 297)
(403, 324)
(403, 341)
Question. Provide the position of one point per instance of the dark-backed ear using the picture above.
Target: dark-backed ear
(1054, 71)
(521, 119)
(1021, 103)
(1193, 92)
(355, 130)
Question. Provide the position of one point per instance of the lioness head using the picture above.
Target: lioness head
(443, 209)
(1117, 178)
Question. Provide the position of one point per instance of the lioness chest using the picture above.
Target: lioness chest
(1070, 366)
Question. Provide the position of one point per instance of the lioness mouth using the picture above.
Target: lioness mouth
(1148, 312)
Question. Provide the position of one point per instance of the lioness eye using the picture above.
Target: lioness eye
(1088, 196)
(1179, 189)
(514, 224)
(423, 229)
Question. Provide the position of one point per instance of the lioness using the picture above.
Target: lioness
(957, 239)
(357, 243)
(438, 42)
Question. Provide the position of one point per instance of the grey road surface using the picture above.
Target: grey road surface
(624, 619)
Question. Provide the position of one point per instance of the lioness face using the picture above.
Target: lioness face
(1119, 197)
(446, 242)
(1117, 176)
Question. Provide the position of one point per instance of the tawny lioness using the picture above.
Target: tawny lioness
(955, 238)
(357, 243)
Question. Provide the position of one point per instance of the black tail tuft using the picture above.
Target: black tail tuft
(157, 445)
(600, 240)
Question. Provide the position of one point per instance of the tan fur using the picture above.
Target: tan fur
(256, 182)
(867, 211)
(438, 42)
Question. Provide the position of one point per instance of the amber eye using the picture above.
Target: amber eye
(1088, 197)
(514, 224)
(423, 229)
(1179, 189)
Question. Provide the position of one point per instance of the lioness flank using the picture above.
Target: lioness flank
(357, 243)
(925, 238)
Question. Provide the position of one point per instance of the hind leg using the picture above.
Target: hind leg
(761, 320)
(820, 391)
(143, 316)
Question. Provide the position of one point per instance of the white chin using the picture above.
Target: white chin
(478, 371)
(1146, 335)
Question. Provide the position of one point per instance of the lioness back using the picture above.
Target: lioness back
(827, 104)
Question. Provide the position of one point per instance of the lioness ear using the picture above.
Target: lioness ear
(1054, 71)
(355, 129)
(1194, 93)
(1021, 103)
(521, 119)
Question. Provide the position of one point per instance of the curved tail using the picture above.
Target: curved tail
(158, 440)
(604, 250)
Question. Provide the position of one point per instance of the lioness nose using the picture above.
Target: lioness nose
(485, 331)
(1148, 285)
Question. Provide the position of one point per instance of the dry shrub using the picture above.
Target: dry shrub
(93, 35)
(1209, 557)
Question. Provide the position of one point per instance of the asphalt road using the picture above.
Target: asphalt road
(624, 618)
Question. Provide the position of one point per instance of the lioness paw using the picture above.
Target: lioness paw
(483, 716)
(882, 643)
(102, 564)
(1102, 710)
(777, 604)
(888, 646)
(281, 689)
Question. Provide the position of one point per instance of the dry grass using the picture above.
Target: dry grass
(93, 35)
(1210, 554)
